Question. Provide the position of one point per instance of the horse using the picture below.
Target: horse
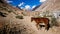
(41, 20)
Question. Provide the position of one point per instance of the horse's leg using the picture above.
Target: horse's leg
(37, 26)
(47, 27)
(40, 27)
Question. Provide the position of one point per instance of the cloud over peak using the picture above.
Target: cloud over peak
(42, 0)
(9, 1)
(21, 4)
(27, 7)
(33, 6)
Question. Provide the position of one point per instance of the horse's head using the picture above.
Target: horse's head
(31, 19)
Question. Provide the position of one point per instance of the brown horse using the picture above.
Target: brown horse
(41, 20)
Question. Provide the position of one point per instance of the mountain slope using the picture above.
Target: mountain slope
(49, 5)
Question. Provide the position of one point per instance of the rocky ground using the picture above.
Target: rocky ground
(25, 26)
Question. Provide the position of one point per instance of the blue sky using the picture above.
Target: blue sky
(27, 4)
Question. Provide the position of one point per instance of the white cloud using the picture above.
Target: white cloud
(33, 6)
(9, 1)
(21, 4)
(42, 0)
(27, 7)
(21, 7)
